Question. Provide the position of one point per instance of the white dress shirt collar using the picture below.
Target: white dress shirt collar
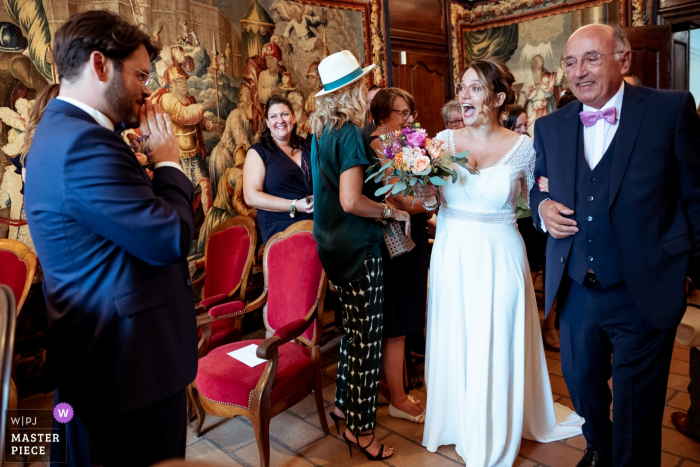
(99, 117)
(615, 101)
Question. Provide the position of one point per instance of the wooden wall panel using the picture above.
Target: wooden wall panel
(650, 54)
(427, 77)
(419, 20)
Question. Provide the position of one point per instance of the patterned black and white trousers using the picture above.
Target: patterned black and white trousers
(360, 358)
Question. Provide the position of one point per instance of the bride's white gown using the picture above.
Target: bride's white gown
(486, 372)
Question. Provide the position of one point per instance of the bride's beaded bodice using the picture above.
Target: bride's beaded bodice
(489, 196)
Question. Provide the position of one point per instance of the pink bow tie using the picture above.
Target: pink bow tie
(589, 118)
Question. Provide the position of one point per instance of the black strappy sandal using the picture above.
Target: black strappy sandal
(380, 454)
(337, 419)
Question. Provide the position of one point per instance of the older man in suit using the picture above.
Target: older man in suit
(622, 209)
(122, 334)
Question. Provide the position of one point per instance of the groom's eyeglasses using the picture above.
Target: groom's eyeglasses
(145, 77)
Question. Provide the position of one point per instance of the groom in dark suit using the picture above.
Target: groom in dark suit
(622, 209)
(122, 342)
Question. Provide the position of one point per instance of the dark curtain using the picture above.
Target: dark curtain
(496, 43)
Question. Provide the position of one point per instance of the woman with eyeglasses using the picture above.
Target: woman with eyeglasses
(277, 172)
(406, 276)
(485, 367)
(452, 115)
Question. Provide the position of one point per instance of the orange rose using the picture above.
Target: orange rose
(421, 163)
(398, 160)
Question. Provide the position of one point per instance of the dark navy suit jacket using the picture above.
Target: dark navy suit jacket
(654, 196)
(113, 247)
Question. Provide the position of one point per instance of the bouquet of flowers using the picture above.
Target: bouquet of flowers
(410, 159)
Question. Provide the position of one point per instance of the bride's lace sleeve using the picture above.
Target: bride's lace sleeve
(527, 179)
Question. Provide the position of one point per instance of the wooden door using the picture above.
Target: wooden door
(426, 76)
(650, 54)
(419, 28)
(680, 58)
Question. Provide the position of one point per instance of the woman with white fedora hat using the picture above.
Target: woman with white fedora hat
(349, 242)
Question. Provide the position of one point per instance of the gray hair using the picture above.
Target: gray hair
(622, 44)
(450, 107)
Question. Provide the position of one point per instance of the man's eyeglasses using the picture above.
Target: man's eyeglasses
(587, 61)
(145, 77)
(473, 90)
(405, 114)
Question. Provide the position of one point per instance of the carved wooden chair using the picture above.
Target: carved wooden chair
(229, 255)
(17, 271)
(295, 286)
(8, 317)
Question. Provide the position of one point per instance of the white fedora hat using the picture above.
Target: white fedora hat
(338, 70)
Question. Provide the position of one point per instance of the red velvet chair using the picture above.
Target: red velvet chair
(17, 272)
(18, 267)
(295, 286)
(228, 257)
(8, 317)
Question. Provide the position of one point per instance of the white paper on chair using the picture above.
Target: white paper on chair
(247, 355)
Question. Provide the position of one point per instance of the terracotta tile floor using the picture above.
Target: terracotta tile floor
(297, 440)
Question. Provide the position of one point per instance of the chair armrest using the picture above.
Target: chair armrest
(214, 300)
(290, 331)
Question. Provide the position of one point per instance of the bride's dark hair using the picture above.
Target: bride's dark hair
(495, 77)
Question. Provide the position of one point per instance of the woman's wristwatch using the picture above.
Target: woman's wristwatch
(293, 209)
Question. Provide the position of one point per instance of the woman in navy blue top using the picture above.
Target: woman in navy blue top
(277, 172)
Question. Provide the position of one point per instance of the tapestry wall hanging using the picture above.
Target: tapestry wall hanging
(225, 57)
(486, 27)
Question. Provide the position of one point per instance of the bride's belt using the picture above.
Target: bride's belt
(482, 217)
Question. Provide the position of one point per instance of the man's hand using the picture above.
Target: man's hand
(161, 138)
(214, 127)
(552, 214)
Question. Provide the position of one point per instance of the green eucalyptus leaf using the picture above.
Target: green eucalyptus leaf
(398, 187)
(383, 190)
(437, 181)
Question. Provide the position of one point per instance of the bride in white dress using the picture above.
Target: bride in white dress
(486, 372)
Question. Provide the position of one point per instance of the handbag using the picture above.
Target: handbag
(396, 241)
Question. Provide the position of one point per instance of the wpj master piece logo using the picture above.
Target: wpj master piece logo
(33, 433)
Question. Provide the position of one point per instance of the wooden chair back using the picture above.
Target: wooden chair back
(294, 280)
(229, 254)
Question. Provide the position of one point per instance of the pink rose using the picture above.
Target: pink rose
(416, 139)
(421, 163)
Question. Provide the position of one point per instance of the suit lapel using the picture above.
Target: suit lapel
(567, 150)
(626, 136)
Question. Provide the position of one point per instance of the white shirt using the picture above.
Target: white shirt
(597, 138)
(105, 122)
